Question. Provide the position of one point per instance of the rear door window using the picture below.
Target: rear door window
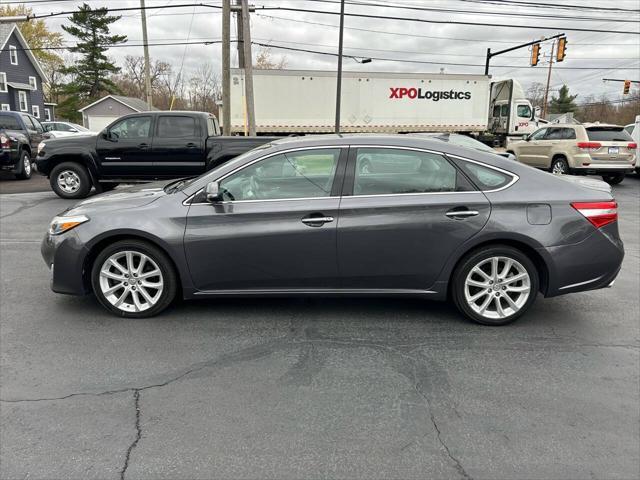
(389, 171)
(600, 134)
(568, 134)
(176, 126)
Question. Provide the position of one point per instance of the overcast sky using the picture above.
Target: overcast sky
(389, 38)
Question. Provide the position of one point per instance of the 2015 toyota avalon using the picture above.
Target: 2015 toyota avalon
(299, 217)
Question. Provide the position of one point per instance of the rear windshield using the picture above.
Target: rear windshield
(608, 134)
(9, 122)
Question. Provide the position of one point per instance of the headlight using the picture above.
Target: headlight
(62, 224)
(41, 145)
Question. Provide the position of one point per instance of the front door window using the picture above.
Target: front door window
(133, 127)
(301, 174)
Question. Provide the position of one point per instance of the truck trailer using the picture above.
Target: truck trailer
(303, 102)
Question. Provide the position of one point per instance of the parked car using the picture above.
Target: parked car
(299, 217)
(633, 129)
(590, 148)
(140, 147)
(64, 129)
(467, 141)
(20, 134)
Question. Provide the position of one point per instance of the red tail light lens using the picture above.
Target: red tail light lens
(4, 141)
(632, 146)
(598, 213)
(589, 146)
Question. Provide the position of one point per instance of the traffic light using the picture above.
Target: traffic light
(562, 48)
(535, 54)
(627, 87)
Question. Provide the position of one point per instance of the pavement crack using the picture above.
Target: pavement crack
(463, 473)
(127, 458)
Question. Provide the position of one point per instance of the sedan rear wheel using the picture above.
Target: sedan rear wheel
(134, 279)
(495, 286)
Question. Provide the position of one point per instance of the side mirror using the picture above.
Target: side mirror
(212, 192)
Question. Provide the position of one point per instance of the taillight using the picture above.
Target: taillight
(632, 146)
(4, 141)
(589, 146)
(598, 213)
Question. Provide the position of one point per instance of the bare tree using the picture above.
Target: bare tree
(131, 79)
(204, 89)
(264, 60)
(535, 94)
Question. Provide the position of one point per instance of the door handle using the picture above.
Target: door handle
(191, 145)
(316, 221)
(462, 213)
(143, 146)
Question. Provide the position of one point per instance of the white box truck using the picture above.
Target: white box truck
(303, 101)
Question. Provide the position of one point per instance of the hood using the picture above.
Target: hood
(121, 198)
(587, 182)
(69, 140)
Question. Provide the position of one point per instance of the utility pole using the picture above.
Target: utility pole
(339, 80)
(226, 67)
(147, 67)
(248, 69)
(546, 91)
(240, 36)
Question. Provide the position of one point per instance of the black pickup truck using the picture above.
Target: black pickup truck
(20, 135)
(141, 147)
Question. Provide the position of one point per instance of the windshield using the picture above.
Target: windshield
(236, 160)
(80, 128)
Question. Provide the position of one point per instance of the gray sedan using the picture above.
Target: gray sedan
(300, 217)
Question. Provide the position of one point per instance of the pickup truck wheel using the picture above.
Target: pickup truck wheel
(614, 178)
(25, 169)
(70, 180)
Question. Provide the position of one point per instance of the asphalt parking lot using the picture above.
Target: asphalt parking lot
(287, 388)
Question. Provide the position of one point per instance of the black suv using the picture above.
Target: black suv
(20, 135)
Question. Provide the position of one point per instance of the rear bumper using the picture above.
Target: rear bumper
(602, 168)
(588, 265)
(9, 159)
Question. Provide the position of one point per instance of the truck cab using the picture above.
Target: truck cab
(511, 115)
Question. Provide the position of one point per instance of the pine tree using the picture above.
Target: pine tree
(563, 103)
(91, 72)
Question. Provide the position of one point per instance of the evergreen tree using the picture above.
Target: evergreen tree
(91, 72)
(563, 103)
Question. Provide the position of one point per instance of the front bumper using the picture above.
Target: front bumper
(588, 265)
(65, 257)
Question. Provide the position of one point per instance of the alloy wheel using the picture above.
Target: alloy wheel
(559, 168)
(497, 287)
(131, 281)
(69, 181)
(26, 162)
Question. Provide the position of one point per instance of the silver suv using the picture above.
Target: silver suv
(589, 148)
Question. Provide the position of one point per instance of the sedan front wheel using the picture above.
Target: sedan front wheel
(496, 285)
(134, 279)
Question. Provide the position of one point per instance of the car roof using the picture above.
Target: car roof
(598, 124)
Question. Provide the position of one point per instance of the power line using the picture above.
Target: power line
(448, 22)
(416, 35)
(425, 62)
(475, 12)
(553, 5)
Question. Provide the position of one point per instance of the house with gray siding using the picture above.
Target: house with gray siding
(21, 75)
(109, 108)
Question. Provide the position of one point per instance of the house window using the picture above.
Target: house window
(35, 111)
(22, 99)
(13, 55)
(6, 107)
(33, 82)
(3, 82)
(47, 114)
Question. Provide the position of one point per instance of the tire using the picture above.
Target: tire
(150, 300)
(559, 166)
(78, 184)
(495, 292)
(107, 186)
(25, 168)
(614, 178)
